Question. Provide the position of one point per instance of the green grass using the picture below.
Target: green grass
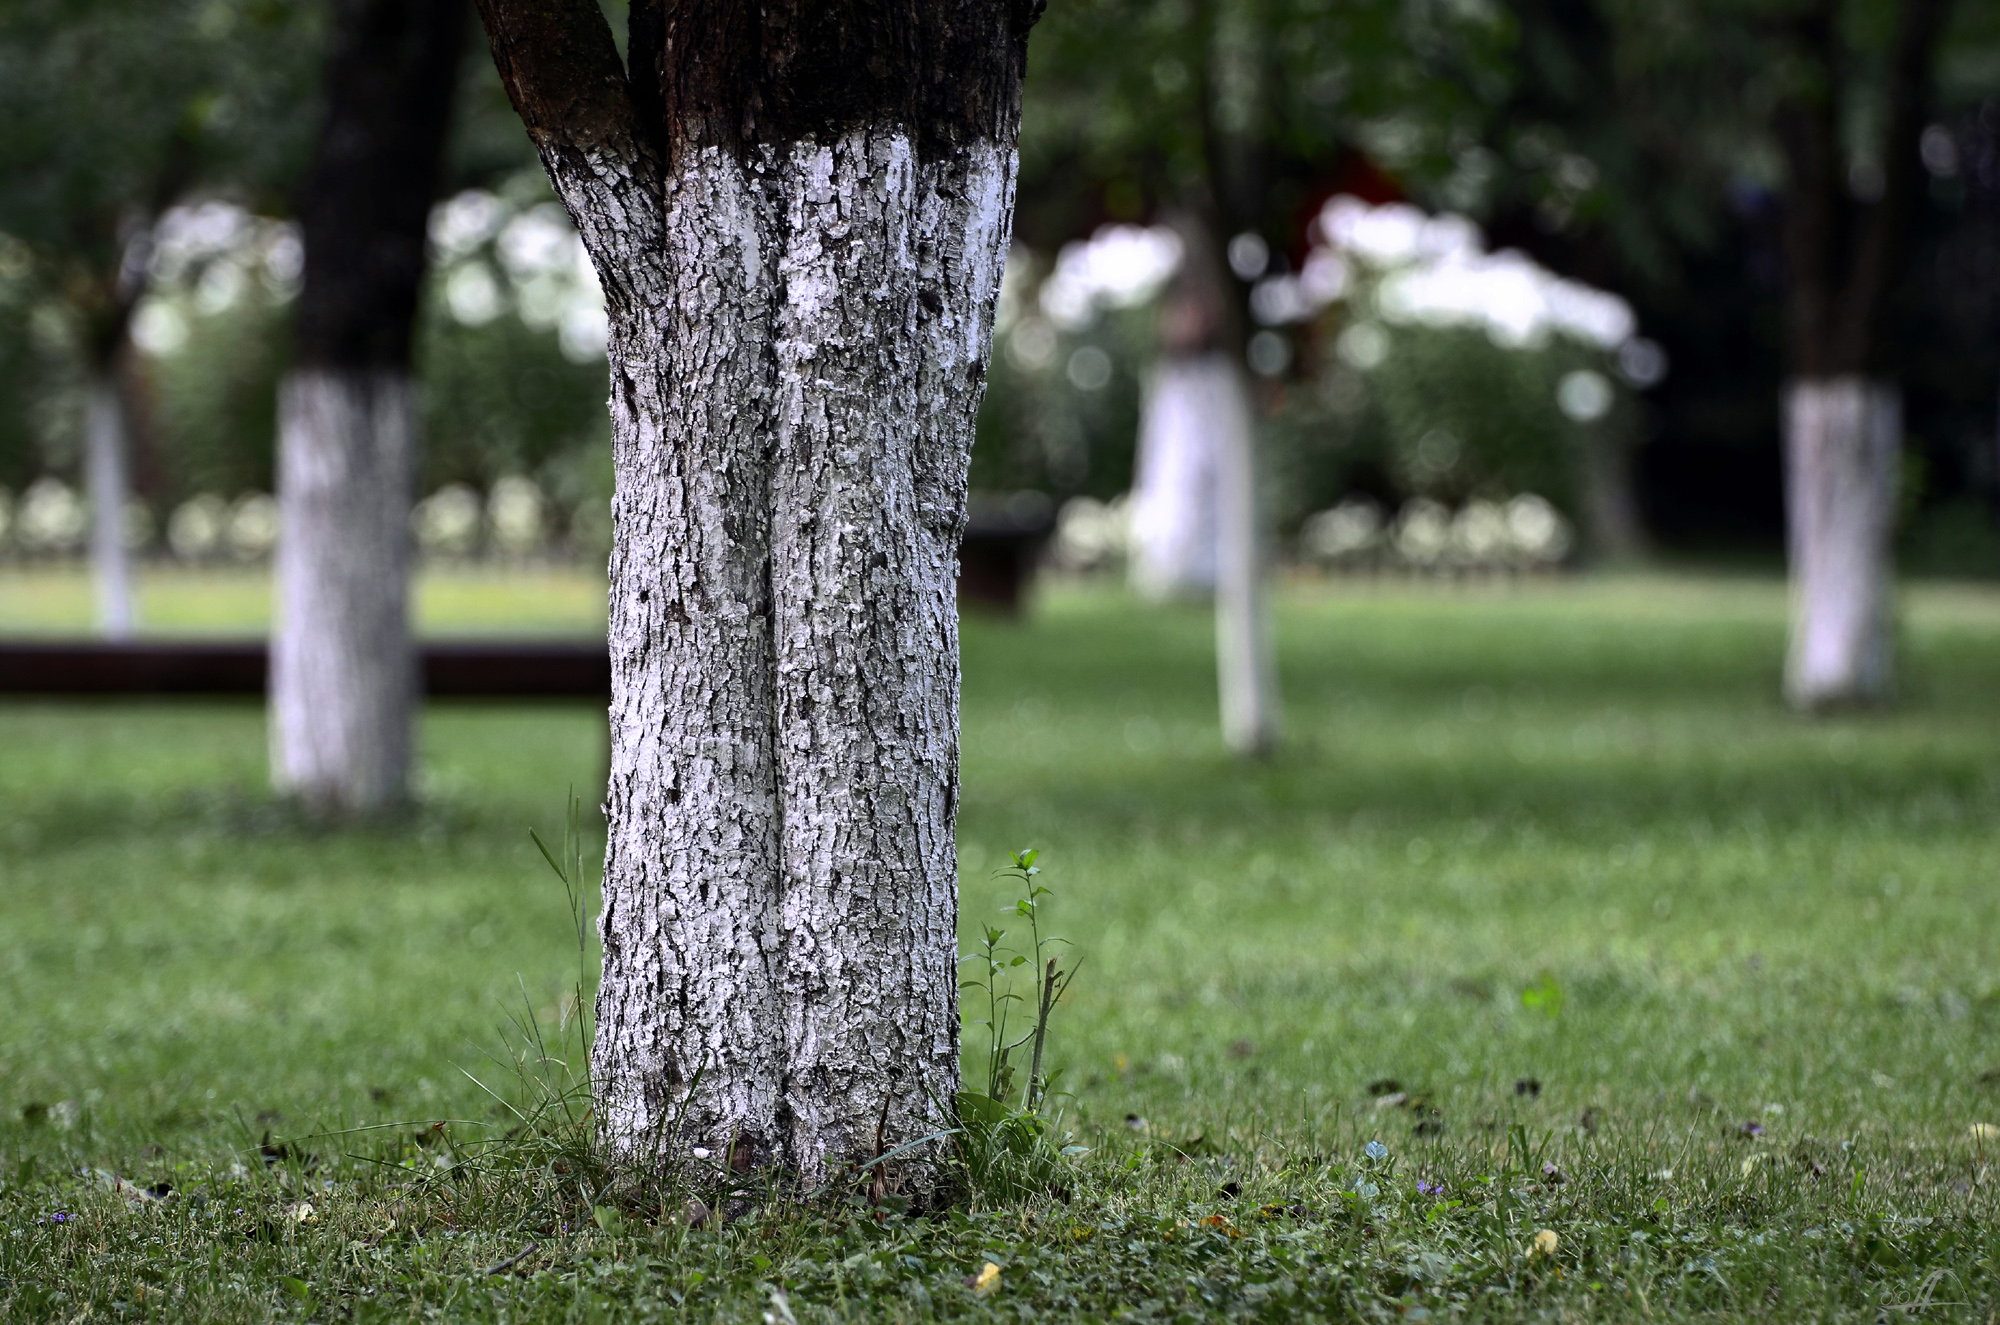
(175, 600)
(1761, 955)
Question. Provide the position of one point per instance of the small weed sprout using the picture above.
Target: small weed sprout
(1010, 1149)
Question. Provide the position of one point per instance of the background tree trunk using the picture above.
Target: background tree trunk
(1842, 413)
(1842, 438)
(343, 677)
(1173, 490)
(1613, 525)
(1198, 514)
(107, 478)
(342, 686)
(1245, 668)
(799, 213)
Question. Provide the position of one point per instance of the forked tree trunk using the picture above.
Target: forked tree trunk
(108, 482)
(1842, 441)
(343, 669)
(1173, 487)
(343, 678)
(800, 226)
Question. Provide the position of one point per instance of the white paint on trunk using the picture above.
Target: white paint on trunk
(796, 364)
(105, 450)
(343, 671)
(1173, 490)
(690, 1037)
(1842, 442)
(1245, 669)
(891, 267)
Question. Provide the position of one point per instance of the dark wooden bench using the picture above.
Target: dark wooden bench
(996, 561)
(510, 669)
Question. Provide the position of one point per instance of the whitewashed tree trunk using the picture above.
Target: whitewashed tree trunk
(1173, 518)
(799, 214)
(1245, 668)
(784, 641)
(343, 673)
(1842, 441)
(105, 451)
(889, 266)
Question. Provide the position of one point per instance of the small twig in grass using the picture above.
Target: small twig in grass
(519, 1256)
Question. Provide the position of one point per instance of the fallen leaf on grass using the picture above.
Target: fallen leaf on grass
(1545, 1243)
(986, 1281)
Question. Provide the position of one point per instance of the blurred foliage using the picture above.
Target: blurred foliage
(1136, 103)
(1060, 431)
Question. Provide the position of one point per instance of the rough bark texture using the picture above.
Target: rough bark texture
(1841, 447)
(799, 216)
(343, 672)
(342, 663)
(109, 484)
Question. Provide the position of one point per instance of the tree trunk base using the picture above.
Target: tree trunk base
(105, 452)
(1842, 442)
(343, 675)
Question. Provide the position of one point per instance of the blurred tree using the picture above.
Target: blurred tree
(342, 668)
(1237, 117)
(1783, 137)
(115, 108)
(1851, 202)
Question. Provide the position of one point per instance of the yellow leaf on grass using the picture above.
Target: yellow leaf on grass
(1985, 1132)
(1545, 1243)
(987, 1279)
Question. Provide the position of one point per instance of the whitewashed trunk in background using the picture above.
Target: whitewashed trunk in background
(1245, 669)
(1842, 442)
(105, 449)
(343, 670)
(1173, 519)
(795, 375)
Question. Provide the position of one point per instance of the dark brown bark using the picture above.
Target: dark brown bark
(365, 204)
(733, 74)
(1842, 254)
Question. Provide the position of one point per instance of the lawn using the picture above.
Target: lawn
(1548, 919)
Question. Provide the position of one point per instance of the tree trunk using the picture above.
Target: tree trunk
(1616, 531)
(343, 678)
(1198, 515)
(1173, 490)
(800, 227)
(1842, 438)
(1842, 411)
(105, 457)
(342, 687)
(1245, 670)
(785, 654)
